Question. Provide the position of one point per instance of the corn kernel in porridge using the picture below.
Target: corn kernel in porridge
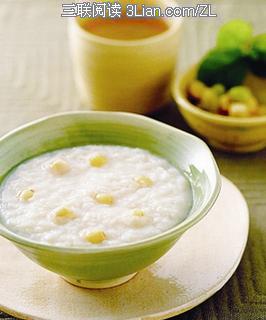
(98, 161)
(26, 195)
(95, 237)
(144, 181)
(59, 167)
(104, 198)
(138, 213)
(63, 215)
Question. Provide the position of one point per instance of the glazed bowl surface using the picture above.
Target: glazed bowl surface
(109, 266)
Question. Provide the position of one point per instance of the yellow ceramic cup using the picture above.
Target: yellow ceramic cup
(127, 75)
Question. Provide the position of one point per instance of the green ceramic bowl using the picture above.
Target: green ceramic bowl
(105, 267)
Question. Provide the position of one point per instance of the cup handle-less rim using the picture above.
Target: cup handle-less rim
(174, 27)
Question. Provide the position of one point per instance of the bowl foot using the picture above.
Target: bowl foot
(237, 148)
(101, 284)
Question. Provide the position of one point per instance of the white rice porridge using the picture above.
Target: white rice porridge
(94, 196)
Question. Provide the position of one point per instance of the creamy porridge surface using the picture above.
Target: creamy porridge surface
(94, 196)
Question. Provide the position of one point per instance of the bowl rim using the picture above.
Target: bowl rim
(134, 118)
(182, 102)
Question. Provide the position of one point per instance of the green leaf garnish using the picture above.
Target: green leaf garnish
(225, 66)
(258, 55)
(235, 53)
(258, 49)
(235, 34)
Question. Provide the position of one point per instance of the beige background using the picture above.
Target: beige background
(36, 80)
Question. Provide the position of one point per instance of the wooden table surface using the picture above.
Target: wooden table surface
(36, 80)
